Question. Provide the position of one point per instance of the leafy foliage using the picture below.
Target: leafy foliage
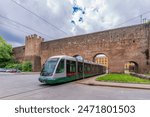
(5, 51)
(27, 66)
(14, 65)
(7, 60)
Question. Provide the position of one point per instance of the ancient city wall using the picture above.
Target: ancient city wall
(19, 53)
(119, 45)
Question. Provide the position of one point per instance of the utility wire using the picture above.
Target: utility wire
(39, 17)
(147, 12)
(9, 26)
(25, 26)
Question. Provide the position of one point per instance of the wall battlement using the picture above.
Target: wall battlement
(34, 36)
(33, 45)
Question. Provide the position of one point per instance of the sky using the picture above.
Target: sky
(55, 19)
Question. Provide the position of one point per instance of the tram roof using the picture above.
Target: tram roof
(63, 56)
(74, 59)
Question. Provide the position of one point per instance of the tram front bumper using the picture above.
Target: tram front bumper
(44, 79)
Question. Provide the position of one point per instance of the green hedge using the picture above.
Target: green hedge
(14, 65)
(25, 66)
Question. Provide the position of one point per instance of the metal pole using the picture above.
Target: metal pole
(83, 67)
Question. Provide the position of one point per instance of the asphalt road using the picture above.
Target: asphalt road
(27, 87)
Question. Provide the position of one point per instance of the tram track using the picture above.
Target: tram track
(24, 92)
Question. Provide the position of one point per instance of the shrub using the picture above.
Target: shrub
(14, 65)
(26, 66)
(3, 64)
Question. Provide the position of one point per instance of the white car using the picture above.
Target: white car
(2, 70)
(12, 70)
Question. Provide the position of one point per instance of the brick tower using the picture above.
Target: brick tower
(33, 51)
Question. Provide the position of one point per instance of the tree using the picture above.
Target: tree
(5, 52)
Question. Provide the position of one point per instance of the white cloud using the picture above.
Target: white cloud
(54, 5)
(99, 15)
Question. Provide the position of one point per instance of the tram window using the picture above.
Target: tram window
(80, 65)
(49, 66)
(71, 66)
(60, 68)
(89, 68)
(86, 67)
(93, 68)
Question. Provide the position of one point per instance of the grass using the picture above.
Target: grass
(148, 74)
(122, 78)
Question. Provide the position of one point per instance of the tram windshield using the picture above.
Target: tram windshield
(49, 67)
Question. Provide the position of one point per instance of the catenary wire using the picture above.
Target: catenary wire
(25, 26)
(133, 18)
(39, 17)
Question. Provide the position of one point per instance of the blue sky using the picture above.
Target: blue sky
(66, 17)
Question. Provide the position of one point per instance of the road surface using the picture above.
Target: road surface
(27, 87)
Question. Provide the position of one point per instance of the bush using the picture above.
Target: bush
(8, 63)
(14, 65)
(27, 66)
(3, 64)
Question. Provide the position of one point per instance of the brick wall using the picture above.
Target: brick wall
(119, 45)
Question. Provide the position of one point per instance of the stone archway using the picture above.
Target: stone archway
(131, 66)
(101, 58)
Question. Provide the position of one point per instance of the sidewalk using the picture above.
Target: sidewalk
(92, 81)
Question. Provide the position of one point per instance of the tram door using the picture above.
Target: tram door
(80, 70)
(71, 69)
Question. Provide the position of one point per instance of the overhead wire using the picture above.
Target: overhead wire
(52, 25)
(133, 18)
(25, 26)
(9, 26)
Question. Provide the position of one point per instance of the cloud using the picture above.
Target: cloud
(94, 17)
(107, 14)
(128, 9)
(87, 16)
(55, 16)
(15, 40)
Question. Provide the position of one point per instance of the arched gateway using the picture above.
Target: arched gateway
(131, 66)
(119, 45)
(101, 58)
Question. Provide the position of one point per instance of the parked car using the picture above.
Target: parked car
(12, 70)
(2, 70)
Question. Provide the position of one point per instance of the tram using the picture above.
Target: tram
(60, 69)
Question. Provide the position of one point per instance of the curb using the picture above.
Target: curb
(92, 82)
(118, 86)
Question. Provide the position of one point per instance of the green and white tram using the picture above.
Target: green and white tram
(60, 69)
